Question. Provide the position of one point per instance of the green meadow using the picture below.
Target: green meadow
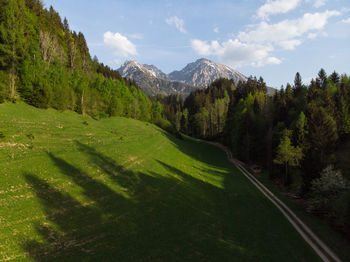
(77, 189)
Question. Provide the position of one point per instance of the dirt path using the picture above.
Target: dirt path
(322, 250)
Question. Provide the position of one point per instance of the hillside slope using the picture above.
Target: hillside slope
(73, 188)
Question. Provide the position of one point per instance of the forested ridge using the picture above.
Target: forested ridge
(46, 64)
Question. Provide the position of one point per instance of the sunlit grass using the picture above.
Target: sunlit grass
(73, 188)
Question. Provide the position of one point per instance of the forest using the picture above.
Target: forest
(45, 64)
(298, 134)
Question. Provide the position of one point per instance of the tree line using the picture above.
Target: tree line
(296, 133)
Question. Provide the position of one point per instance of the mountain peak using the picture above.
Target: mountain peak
(131, 68)
(203, 72)
(202, 60)
(198, 74)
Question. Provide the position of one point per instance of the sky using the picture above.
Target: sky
(269, 38)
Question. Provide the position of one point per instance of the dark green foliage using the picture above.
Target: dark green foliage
(322, 135)
(251, 123)
(2, 135)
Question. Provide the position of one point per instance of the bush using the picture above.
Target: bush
(2, 136)
(330, 197)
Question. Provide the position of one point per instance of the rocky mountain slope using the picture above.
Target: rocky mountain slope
(199, 74)
(203, 72)
(152, 80)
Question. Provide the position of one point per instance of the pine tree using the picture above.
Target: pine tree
(322, 135)
(322, 76)
(297, 83)
(335, 77)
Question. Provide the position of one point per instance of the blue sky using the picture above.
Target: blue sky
(271, 38)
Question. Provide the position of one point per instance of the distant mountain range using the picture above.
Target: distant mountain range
(199, 74)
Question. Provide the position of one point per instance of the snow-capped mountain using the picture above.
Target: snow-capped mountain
(152, 80)
(132, 68)
(203, 72)
(199, 74)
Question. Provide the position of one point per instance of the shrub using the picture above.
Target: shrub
(330, 196)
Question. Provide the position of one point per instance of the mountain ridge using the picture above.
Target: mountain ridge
(203, 72)
(195, 75)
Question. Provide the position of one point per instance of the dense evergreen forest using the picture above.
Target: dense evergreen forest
(47, 65)
(298, 134)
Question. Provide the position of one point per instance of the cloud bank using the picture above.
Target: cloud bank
(254, 46)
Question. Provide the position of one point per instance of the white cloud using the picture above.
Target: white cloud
(254, 47)
(136, 36)
(235, 53)
(119, 44)
(319, 3)
(346, 21)
(203, 48)
(178, 22)
(277, 7)
(216, 30)
(287, 32)
(289, 44)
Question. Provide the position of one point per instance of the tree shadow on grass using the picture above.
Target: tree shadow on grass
(166, 217)
(201, 151)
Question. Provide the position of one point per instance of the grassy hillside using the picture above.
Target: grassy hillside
(72, 188)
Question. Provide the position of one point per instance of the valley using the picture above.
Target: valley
(105, 160)
(76, 188)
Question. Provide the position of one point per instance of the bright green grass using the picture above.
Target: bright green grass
(123, 190)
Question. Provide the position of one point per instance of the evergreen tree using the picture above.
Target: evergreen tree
(334, 77)
(297, 83)
(322, 135)
(322, 77)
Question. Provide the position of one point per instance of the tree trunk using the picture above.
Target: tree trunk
(12, 79)
(82, 104)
